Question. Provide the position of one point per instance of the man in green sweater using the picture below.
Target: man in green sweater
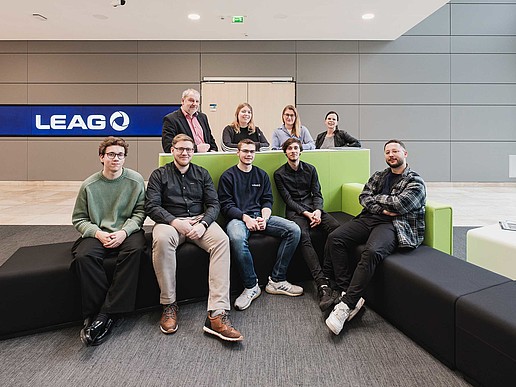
(109, 213)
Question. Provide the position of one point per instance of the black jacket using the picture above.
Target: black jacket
(175, 123)
(341, 138)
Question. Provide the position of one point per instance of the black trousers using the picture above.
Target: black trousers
(328, 224)
(380, 240)
(98, 295)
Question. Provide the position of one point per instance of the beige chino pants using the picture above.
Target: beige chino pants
(166, 239)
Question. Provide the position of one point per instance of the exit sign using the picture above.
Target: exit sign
(238, 19)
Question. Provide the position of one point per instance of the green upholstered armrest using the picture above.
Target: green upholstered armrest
(438, 218)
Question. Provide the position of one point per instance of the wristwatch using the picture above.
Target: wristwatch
(204, 224)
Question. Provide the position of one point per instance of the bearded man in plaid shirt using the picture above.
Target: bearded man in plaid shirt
(393, 217)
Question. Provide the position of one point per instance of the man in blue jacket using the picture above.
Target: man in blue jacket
(245, 196)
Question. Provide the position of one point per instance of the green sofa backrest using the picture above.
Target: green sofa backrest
(334, 167)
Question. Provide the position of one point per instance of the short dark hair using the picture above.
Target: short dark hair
(289, 142)
(247, 141)
(110, 141)
(394, 141)
(182, 137)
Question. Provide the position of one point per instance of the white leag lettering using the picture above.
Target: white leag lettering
(96, 122)
(60, 122)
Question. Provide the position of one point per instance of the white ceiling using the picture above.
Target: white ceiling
(167, 19)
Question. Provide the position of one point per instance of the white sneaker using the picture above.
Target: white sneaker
(338, 317)
(283, 287)
(354, 312)
(248, 295)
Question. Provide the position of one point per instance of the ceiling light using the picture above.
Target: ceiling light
(194, 16)
(368, 16)
(39, 16)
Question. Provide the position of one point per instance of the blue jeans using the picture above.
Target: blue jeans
(238, 233)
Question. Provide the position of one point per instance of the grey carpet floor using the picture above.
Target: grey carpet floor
(286, 344)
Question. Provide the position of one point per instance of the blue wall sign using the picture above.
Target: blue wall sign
(91, 120)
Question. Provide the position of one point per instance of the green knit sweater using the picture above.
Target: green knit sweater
(110, 205)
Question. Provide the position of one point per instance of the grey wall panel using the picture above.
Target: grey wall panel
(163, 93)
(421, 158)
(483, 123)
(248, 46)
(82, 46)
(312, 116)
(82, 68)
(418, 123)
(13, 46)
(483, 94)
(162, 68)
(62, 158)
(407, 45)
(327, 68)
(271, 65)
(148, 155)
(327, 94)
(404, 68)
(483, 19)
(334, 46)
(483, 68)
(13, 94)
(168, 46)
(13, 68)
(483, 44)
(436, 24)
(13, 149)
(469, 161)
(82, 94)
(424, 94)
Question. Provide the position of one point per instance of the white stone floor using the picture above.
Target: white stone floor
(51, 202)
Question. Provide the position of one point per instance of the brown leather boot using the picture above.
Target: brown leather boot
(221, 327)
(168, 322)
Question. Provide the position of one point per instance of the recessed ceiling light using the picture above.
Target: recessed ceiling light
(368, 16)
(194, 16)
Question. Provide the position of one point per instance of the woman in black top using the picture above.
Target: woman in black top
(243, 127)
(334, 137)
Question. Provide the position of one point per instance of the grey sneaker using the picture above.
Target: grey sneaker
(338, 317)
(248, 295)
(283, 287)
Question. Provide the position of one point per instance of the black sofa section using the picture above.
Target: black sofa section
(417, 291)
(486, 335)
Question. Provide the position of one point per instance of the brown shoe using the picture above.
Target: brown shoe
(168, 322)
(221, 326)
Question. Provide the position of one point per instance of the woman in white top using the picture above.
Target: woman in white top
(292, 128)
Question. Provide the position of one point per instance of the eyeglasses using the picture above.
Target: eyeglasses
(181, 150)
(247, 151)
(111, 155)
(289, 115)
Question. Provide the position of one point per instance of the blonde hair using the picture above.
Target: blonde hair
(297, 121)
(236, 125)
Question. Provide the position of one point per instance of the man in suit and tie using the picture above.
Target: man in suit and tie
(190, 121)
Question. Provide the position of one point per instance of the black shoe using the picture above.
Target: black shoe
(105, 333)
(87, 324)
(326, 297)
(98, 331)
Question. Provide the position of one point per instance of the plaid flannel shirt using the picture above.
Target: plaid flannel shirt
(407, 198)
